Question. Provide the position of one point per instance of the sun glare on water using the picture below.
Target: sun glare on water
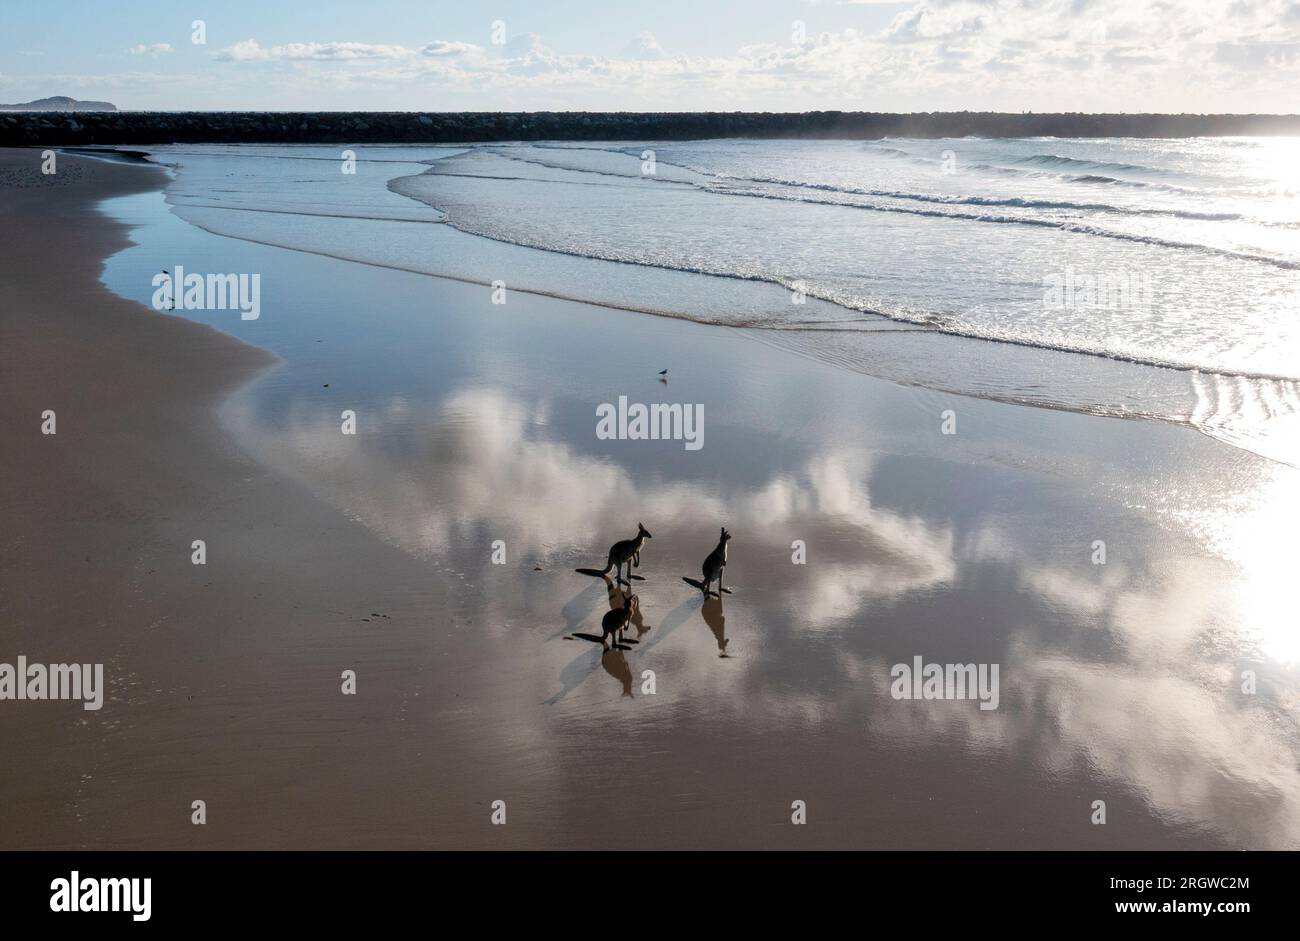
(1262, 542)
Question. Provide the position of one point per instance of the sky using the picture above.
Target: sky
(657, 55)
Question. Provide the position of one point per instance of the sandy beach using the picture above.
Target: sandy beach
(1120, 681)
(223, 680)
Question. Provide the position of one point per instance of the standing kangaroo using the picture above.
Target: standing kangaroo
(627, 552)
(615, 621)
(715, 563)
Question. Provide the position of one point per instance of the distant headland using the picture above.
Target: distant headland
(77, 125)
(60, 103)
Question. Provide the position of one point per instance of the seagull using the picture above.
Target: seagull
(663, 372)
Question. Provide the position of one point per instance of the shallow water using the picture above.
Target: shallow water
(1119, 681)
(1089, 264)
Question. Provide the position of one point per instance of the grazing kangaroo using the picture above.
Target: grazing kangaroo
(715, 563)
(627, 552)
(615, 621)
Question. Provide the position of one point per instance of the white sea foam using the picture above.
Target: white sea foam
(955, 237)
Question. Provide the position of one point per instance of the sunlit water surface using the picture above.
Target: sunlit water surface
(1139, 278)
(1120, 681)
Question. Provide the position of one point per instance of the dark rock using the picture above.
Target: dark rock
(144, 128)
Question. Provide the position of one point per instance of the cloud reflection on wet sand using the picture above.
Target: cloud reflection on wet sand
(1124, 674)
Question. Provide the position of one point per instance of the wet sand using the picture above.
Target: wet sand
(224, 679)
(1119, 682)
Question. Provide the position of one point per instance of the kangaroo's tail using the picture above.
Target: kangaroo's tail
(608, 565)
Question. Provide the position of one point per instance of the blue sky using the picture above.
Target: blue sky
(1013, 55)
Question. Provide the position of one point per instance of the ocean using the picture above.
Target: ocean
(1155, 279)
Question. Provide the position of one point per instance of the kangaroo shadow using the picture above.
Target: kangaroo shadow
(696, 583)
(597, 573)
(616, 665)
(670, 622)
(583, 665)
(582, 604)
(710, 609)
(613, 659)
(616, 598)
(572, 676)
(717, 621)
(637, 622)
(597, 639)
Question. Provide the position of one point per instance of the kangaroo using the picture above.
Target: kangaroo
(715, 563)
(627, 552)
(615, 621)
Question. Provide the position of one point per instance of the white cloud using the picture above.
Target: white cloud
(1085, 55)
(249, 50)
(152, 49)
(644, 46)
(442, 47)
(246, 50)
